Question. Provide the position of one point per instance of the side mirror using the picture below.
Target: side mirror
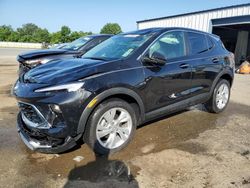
(156, 58)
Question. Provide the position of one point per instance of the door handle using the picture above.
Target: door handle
(184, 65)
(215, 60)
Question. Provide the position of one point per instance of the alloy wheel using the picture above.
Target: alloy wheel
(222, 96)
(114, 128)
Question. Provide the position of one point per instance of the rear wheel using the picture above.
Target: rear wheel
(220, 98)
(110, 127)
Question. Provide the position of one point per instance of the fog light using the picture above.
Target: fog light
(56, 108)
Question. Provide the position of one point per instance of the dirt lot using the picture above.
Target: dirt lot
(188, 149)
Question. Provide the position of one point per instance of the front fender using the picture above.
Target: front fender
(104, 95)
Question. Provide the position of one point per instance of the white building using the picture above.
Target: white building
(232, 24)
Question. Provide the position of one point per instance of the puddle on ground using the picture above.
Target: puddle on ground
(165, 133)
(193, 148)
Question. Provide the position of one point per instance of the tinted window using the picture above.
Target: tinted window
(170, 45)
(210, 43)
(100, 40)
(76, 44)
(197, 42)
(94, 42)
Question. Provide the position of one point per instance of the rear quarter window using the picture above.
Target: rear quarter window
(198, 43)
(210, 43)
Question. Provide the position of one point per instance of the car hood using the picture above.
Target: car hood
(38, 53)
(64, 71)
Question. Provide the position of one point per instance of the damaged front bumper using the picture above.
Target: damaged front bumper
(48, 121)
(41, 142)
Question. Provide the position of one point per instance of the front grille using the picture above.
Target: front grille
(31, 113)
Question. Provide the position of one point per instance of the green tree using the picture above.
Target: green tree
(5, 32)
(13, 37)
(75, 35)
(32, 33)
(41, 35)
(26, 32)
(85, 33)
(111, 28)
(55, 37)
(65, 34)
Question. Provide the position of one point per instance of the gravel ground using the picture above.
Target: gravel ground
(192, 148)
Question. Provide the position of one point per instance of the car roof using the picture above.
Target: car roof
(100, 35)
(143, 31)
(164, 29)
(97, 36)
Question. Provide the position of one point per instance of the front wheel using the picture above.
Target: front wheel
(110, 127)
(220, 98)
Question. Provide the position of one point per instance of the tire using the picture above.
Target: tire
(212, 105)
(100, 121)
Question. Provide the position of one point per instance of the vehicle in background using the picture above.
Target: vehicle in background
(127, 80)
(58, 46)
(76, 48)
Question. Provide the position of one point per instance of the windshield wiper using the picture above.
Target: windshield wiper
(96, 58)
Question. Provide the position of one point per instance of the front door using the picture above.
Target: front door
(169, 83)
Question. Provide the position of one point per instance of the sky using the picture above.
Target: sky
(91, 15)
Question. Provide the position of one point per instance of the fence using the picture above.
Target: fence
(20, 45)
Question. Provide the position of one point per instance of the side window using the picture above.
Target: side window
(93, 43)
(198, 43)
(210, 43)
(171, 45)
(100, 39)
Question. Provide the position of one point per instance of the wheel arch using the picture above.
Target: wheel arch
(125, 94)
(228, 78)
(227, 75)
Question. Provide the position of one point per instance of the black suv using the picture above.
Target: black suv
(123, 82)
(76, 48)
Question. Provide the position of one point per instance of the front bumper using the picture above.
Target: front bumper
(43, 127)
(45, 145)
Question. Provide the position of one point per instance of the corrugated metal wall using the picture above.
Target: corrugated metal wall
(200, 21)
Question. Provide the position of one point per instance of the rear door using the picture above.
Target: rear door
(170, 83)
(206, 62)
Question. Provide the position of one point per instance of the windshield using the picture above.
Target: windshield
(117, 47)
(76, 44)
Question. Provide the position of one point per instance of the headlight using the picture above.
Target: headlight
(37, 61)
(68, 87)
